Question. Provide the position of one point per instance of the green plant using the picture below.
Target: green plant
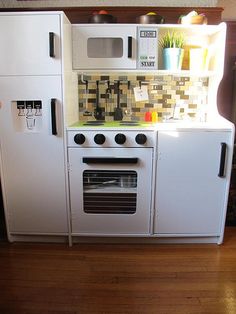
(172, 40)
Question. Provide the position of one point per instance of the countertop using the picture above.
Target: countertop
(217, 124)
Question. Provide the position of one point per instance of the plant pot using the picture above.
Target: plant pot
(173, 58)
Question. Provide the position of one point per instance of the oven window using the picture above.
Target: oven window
(105, 47)
(110, 192)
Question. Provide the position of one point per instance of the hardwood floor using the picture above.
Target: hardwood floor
(118, 278)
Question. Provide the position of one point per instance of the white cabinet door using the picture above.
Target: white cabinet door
(30, 44)
(190, 196)
(104, 47)
(33, 168)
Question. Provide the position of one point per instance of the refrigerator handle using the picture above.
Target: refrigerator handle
(53, 116)
(51, 44)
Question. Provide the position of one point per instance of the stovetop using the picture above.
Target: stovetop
(111, 134)
(113, 124)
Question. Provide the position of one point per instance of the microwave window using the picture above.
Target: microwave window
(104, 47)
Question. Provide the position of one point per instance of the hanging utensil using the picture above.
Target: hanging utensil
(99, 113)
(86, 113)
(128, 111)
(118, 113)
(108, 92)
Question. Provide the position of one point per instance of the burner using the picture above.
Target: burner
(129, 123)
(89, 123)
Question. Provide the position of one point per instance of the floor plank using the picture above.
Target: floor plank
(118, 278)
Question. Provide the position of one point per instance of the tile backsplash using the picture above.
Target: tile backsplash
(170, 96)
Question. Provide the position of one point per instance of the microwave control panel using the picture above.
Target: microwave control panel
(147, 48)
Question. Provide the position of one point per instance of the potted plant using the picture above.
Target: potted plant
(173, 52)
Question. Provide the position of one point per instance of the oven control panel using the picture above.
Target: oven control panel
(106, 138)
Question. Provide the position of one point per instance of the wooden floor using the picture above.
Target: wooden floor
(127, 278)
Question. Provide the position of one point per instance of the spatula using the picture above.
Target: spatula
(99, 114)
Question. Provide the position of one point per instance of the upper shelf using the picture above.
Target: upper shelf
(152, 72)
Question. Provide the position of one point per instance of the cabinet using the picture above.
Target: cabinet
(30, 44)
(191, 197)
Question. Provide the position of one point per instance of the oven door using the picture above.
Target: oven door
(110, 190)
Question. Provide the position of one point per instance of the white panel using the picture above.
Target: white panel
(33, 162)
(24, 42)
(190, 195)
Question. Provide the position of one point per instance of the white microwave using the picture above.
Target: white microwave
(114, 46)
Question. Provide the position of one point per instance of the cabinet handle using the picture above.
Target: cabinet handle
(51, 44)
(221, 173)
(130, 40)
(53, 116)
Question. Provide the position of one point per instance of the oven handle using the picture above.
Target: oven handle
(110, 160)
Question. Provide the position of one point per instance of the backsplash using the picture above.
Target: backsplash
(170, 96)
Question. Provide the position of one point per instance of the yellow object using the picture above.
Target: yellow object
(185, 64)
(151, 13)
(154, 117)
(198, 59)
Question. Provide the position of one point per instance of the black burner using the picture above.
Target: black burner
(129, 123)
(93, 123)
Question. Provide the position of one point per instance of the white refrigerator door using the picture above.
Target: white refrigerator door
(25, 45)
(33, 168)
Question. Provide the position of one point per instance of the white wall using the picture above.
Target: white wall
(228, 5)
(79, 3)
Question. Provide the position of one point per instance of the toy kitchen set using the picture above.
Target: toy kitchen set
(102, 136)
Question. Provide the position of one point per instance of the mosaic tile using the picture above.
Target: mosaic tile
(164, 91)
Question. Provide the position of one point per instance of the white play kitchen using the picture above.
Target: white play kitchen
(103, 139)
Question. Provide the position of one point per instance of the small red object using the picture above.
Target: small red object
(148, 116)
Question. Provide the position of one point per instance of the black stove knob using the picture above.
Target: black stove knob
(141, 138)
(79, 138)
(120, 138)
(99, 139)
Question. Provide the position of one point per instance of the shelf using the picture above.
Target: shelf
(147, 72)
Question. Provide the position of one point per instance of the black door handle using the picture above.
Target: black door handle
(53, 116)
(51, 44)
(221, 173)
(130, 52)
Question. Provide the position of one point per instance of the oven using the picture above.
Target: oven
(110, 182)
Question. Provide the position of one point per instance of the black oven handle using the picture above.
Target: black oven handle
(110, 160)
